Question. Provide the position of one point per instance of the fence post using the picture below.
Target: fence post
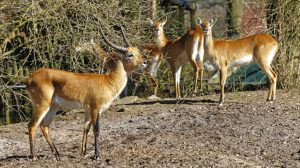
(7, 109)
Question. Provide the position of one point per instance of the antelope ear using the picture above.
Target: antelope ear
(199, 21)
(150, 21)
(212, 21)
(165, 21)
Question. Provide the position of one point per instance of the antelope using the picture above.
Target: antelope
(91, 47)
(106, 59)
(178, 52)
(51, 89)
(94, 48)
(152, 65)
(259, 49)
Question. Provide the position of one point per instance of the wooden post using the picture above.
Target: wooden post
(7, 104)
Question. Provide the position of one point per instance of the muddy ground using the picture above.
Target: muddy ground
(193, 132)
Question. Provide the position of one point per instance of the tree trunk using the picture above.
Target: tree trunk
(234, 18)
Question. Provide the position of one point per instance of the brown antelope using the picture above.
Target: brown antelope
(152, 66)
(260, 49)
(51, 89)
(106, 59)
(94, 48)
(91, 47)
(178, 52)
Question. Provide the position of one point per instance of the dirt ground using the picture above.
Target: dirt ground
(193, 132)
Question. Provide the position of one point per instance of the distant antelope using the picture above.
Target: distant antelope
(50, 89)
(106, 58)
(91, 47)
(94, 48)
(260, 49)
(153, 65)
(153, 62)
(178, 52)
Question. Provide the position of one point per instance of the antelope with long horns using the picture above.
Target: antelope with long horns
(51, 89)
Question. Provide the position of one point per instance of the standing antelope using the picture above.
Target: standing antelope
(260, 49)
(50, 89)
(94, 48)
(91, 47)
(188, 48)
(152, 66)
(154, 63)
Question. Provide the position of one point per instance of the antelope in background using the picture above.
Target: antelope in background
(94, 48)
(51, 89)
(260, 49)
(155, 57)
(154, 63)
(178, 52)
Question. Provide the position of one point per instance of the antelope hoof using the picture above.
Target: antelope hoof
(84, 156)
(194, 94)
(201, 93)
(178, 97)
(221, 102)
(58, 157)
(97, 158)
(34, 158)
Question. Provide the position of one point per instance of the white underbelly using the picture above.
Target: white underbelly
(244, 60)
(153, 66)
(67, 103)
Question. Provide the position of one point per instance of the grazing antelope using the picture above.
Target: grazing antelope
(178, 52)
(50, 89)
(260, 49)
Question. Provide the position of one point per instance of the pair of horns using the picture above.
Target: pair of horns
(122, 49)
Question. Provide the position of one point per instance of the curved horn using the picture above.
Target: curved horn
(124, 36)
(110, 43)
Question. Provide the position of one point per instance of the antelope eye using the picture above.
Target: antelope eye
(130, 55)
